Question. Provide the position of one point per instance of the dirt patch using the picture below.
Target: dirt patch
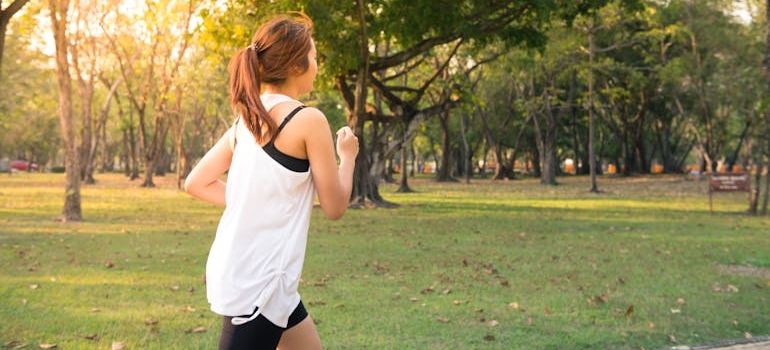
(743, 270)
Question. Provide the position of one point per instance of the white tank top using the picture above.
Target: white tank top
(257, 255)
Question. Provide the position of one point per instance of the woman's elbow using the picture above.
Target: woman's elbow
(189, 186)
(334, 214)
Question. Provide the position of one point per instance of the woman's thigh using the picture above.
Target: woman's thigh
(303, 336)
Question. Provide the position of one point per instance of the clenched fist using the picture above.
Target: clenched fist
(347, 144)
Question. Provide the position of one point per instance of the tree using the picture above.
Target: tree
(29, 126)
(5, 18)
(766, 67)
(500, 107)
(90, 65)
(149, 57)
(708, 53)
(59, 23)
(415, 31)
(350, 34)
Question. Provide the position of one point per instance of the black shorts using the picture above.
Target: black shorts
(257, 334)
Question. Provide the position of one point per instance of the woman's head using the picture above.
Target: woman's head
(278, 51)
(283, 45)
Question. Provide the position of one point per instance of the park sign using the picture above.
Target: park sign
(728, 182)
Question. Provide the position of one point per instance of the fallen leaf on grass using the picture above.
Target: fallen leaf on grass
(747, 335)
(91, 336)
(514, 305)
(672, 338)
(188, 309)
(489, 337)
(14, 345)
(442, 319)
(493, 323)
(118, 345)
(48, 346)
(198, 330)
(629, 311)
(726, 289)
(151, 321)
(676, 311)
(602, 298)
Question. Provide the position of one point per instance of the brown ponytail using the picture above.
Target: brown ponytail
(279, 46)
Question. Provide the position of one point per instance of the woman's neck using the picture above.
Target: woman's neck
(276, 90)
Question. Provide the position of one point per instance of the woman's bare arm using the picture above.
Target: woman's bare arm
(205, 179)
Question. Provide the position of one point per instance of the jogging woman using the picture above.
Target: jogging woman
(278, 156)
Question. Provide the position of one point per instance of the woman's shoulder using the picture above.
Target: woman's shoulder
(312, 120)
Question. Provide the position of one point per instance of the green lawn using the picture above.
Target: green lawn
(491, 265)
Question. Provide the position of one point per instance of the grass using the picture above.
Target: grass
(491, 265)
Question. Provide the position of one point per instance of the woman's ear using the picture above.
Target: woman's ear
(297, 70)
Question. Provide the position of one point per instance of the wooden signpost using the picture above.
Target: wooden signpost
(728, 182)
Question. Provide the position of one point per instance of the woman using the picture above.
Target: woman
(278, 156)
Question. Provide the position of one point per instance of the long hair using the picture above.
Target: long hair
(279, 48)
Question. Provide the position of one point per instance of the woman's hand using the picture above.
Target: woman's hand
(347, 144)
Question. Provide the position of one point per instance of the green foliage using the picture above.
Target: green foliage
(493, 265)
(402, 24)
(28, 108)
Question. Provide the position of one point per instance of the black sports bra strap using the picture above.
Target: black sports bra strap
(286, 120)
(280, 127)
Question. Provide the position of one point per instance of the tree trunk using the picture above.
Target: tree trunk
(149, 171)
(364, 184)
(467, 155)
(403, 184)
(766, 66)
(133, 153)
(444, 173)
(591, 127)
(548, 159)
(99, 137)
(766, 194)
(125, 159)
(548, 134)
(86, 94)
(72, 209)
(734, 157)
